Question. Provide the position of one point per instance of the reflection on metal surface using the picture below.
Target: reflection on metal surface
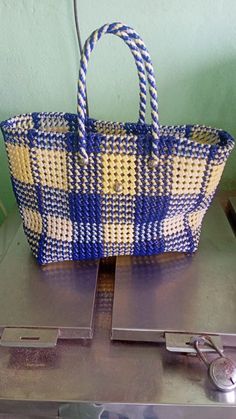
(231, 211)
(233, 204)
(177, 292)
(82, 410)
(7, 232)
(56, 296)
(104, 300)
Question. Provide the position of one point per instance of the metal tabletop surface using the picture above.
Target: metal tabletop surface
(130, 379)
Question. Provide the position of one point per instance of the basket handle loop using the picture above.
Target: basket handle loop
(141, 56)
(140, 61)
(132, 43)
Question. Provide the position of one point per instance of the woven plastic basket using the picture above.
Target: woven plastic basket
(88, 189)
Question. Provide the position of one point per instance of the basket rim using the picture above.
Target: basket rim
(229, 141)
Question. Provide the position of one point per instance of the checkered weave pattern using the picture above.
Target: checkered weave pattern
(88, 189)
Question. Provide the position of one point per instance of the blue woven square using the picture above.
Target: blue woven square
(151, 208)
(85, 208)
(81, 250)
(146, 248)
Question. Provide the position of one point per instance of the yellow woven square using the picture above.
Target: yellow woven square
(19, 158)
(118, 233)
(52, 168)
(214, 178)
(118, 169)
(59, 228)
(173, 225)
(187, 175)
(32, 220)
(195, 219)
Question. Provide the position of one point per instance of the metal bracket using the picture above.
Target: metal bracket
(181, 342)
(29, 337)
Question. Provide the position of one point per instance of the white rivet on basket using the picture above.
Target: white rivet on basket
(83, 161)
(152, 163)
(117, 187)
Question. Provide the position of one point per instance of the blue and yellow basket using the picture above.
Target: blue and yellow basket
(88, 189)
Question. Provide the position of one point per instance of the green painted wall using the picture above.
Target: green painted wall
(192, 43)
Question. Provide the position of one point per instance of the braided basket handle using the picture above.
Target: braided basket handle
(132, 43)
(141, 55)
(131, 37)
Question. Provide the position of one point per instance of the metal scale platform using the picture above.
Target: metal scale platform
(177, 292)
(40, 304)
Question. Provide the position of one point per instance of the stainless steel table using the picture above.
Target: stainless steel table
(126, 379)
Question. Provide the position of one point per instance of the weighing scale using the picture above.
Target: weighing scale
(113, 342)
